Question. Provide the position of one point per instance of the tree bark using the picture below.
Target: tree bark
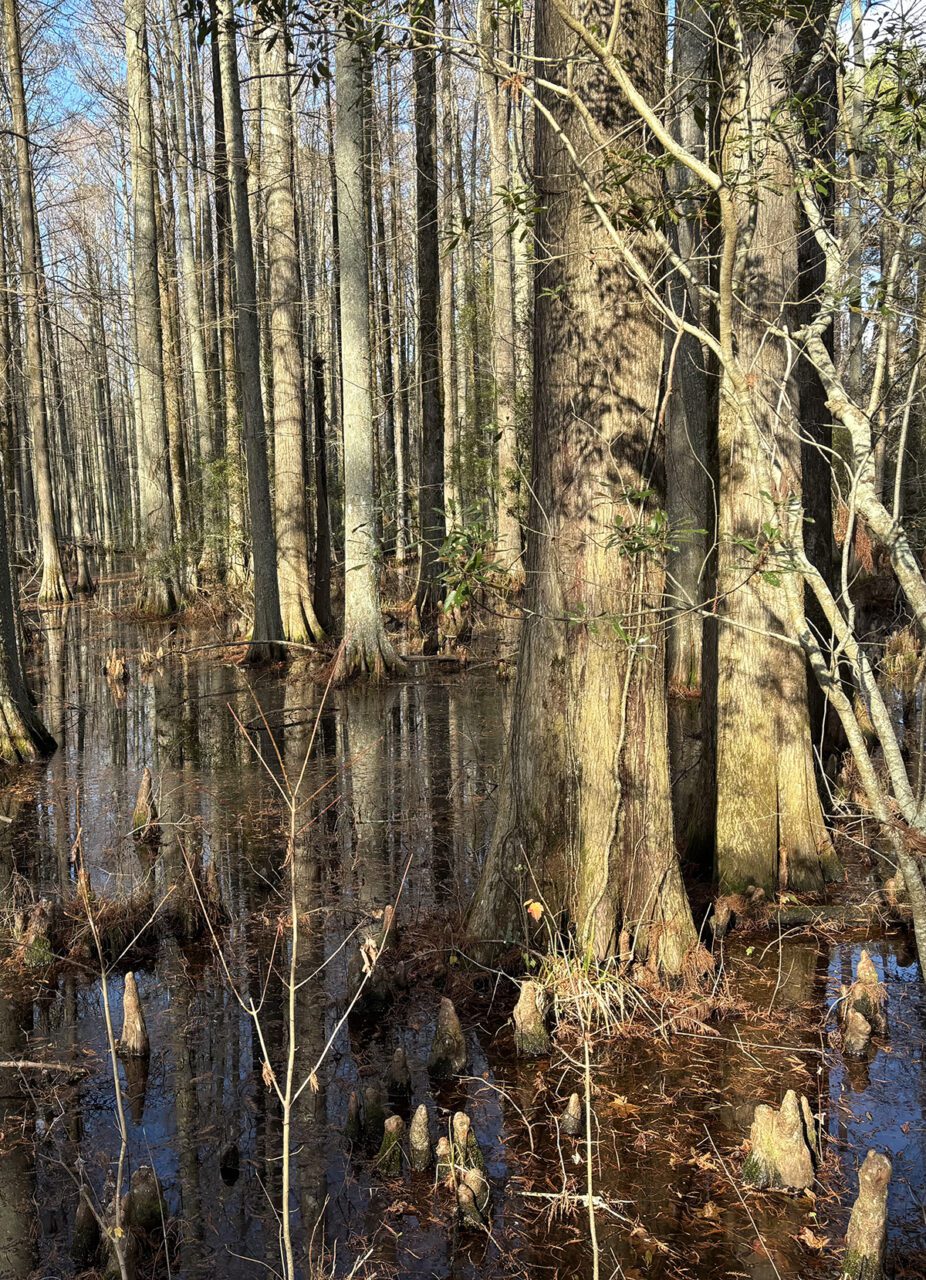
(691, 409)
(267, 627)
(160, 590)
(450, 370)
(300, 623)
(53, 588)
(431, 518)
(588, 723)
(366, 648)
(770, 830)
(496, 55)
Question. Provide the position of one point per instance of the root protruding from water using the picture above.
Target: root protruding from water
(781, 1154)
(868, 995)
(369, 982)
(531, 1038)
(398, 1078)
(133, 1043)
(868, 1224)
(353, 1127)
(374, 1116)
(856, 1034)
(85, 1241)
(145, 814)
(419, 1140)
(448, 1050)
(389, 1160)
(570, 1122)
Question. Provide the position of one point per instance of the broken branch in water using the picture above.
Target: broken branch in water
(25, 1064)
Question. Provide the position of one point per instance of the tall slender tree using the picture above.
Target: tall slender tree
(366, 647)
(431, 515)
(53, 588)
(160, 583)
(300, 623)
(495, 49)
(267, 627)
(770, 830)
(23, 736)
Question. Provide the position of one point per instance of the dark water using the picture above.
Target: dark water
(402, 782)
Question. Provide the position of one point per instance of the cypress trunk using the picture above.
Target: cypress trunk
(585, 816)
(431, 518)
(267, 627)
(770, 830)
(53, 588)
(366, 647)
(160, 591)
(300, 623)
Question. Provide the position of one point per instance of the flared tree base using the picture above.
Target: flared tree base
(300, 623)
(369, 655)
(23, 737)
(158, 597)
(54, 588)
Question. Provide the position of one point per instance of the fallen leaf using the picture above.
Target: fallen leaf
(811, 1239)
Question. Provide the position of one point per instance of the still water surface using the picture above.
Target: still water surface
(403, 780)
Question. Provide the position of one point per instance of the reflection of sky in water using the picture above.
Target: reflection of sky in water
(881, 1106)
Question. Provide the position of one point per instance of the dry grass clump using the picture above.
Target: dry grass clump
(597, 997)
(901, 663)
(619, 999)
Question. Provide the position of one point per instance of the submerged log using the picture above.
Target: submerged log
(448, 1050)
(781, 1154)
(389, 1160)
(868, 995)
(145, 814)
(571, 1120)
(419, 1139)
(868, 1224)
(398, 1078)
(134, 1039)
(531, 1038)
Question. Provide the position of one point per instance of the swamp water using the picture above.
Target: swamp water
(404, 779)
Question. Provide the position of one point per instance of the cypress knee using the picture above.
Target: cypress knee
(868, 1223)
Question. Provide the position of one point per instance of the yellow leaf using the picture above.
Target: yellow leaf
(710, 1211)
(534, 910)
